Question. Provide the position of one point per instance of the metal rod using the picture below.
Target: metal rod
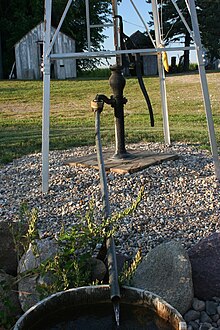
(161, 73)
(46, 98)
(145, 25)
(116, 30)
(113, 53)
(88, 25)
(182, 18)
(110, 245)
(101, 25)
(112, 268)
(58, 28)
(115, 22)
(204, 85)
(103, 180)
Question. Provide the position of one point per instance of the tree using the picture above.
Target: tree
(75, 25)
(209, 23)
(18, 17)
(173, 29)
(1, 65)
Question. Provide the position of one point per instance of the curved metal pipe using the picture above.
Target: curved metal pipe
(143, 88)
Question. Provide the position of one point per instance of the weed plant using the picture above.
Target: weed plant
(72, 265)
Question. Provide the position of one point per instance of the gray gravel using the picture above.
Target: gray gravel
(181, 199)
(204, 315)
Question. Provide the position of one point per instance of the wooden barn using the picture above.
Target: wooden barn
(149, 62)
(29, 55)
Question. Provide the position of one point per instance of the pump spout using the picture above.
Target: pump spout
(113, 277)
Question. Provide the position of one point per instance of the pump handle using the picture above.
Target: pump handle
(128, 44)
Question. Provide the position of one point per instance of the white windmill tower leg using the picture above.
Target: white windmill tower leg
(197, 39)
(161, 73)
(46, 98)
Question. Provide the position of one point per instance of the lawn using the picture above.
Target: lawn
(72, 121)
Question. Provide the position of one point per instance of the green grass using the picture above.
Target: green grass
(72, 121)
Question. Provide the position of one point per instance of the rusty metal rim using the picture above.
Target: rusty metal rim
(99, 294)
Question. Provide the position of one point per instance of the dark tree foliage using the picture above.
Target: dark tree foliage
(75, 25)
(174, 29)
(208, 12)
(18, 17)
(172, 26)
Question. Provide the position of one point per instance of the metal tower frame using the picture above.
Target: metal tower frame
(159, 48)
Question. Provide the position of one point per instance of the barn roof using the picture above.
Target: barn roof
(141, 40)
(38, 25)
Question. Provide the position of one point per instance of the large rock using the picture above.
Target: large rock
(37, 253)
(98, 269)
(166, 271)
(9, 302)
(8, 250)
(205, 261)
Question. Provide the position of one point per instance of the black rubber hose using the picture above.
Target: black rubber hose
(143, 88)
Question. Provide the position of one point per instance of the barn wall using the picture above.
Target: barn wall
(29, 57)
(150, 65)
(64, 68)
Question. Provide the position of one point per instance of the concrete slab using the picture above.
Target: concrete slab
(137, 162)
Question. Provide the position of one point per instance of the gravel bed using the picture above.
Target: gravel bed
(181, 199)
(204, 315)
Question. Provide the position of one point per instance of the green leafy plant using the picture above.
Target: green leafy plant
(72, 265)
(129, 269)
(24, 229)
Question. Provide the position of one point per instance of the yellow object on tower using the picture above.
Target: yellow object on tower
(165, 61)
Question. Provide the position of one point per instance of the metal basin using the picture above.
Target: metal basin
(91, 308)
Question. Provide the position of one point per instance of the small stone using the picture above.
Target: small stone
(218, 309)
(191, 315)
(215, 317)
(210, 307)
(204, 317)
(206, 326)
(98, 269)
(122, 259)
(194, 325)
(198, 305)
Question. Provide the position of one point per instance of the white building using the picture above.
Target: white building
(29, 52)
